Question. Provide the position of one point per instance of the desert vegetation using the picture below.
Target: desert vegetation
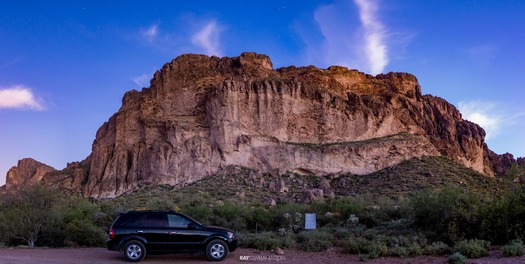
(445, 220)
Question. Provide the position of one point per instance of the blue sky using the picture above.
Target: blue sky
(65, 65)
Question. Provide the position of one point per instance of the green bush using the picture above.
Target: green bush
(473, 248)
(366, 248)
(260, 241)
(404, 246)
(514, 248)
(344, 233)
(200, 213)
(36, 204)
(386, 211)
(230, 215)
(315, 240)
(399, 251)
(53, 234)
(84, 233)
(437, 249)
(414, 249)
(447, 215)
(289, 241)
(457, 258)
(502, 217)
(260, 219)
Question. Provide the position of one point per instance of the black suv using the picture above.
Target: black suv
(137, 232)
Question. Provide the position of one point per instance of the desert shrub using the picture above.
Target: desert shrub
(230, 215)
(386, 211)
(473, 248)
(502, 217)
(399, 251)
(457, 258)
(414, 249)
(289, 214)
(343, 233)
(374, 249)
(437, 249)
(104, 219)
(366, 248)
(315, 240)
(343, 207)
(405, 245)
(78, 208)
(53, 234)
(261, 241)
(352, 245)
(35, 204)
(260, 219)
(514, 248)
(288, 240)
(84, 233)
(200, 213)
(447, 215)
(339, 210)
(161, 204)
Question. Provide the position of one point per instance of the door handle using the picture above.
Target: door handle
(140, 231)
(172, 233)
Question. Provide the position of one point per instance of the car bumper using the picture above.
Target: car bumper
(233, 245)
(112, 245)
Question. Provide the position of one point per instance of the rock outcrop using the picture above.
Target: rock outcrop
(201, 114)
(27, 172)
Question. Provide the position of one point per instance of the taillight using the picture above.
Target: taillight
(111, 233)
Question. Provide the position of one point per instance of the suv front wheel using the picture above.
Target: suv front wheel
(216, 250)
(134, 251)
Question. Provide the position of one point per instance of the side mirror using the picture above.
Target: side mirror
(192, 226)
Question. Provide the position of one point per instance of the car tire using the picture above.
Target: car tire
(216, 250)
(134, 251)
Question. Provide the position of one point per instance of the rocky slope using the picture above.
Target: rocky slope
(201, 114)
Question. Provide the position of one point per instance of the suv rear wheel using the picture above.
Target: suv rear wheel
(134, 251)
(216, 250)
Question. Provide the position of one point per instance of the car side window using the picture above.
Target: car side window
(177, 221)
(151, 220)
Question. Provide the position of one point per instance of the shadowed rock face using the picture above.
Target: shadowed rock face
(203, 113)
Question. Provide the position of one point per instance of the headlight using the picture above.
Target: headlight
(230, 235)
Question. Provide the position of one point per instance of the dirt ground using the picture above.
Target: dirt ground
(241, 255)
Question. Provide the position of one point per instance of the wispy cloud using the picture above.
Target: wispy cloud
(19, 97)
(208, 38)
(189, 34)
(493, 117)
(150, 33)
(374, 34)
(142, 80)
(483, 54)
(352, 35)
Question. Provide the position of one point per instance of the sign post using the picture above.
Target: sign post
(310, 221)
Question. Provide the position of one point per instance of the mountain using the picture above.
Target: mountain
(202, 114)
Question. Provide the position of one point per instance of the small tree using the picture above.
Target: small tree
(25, 211)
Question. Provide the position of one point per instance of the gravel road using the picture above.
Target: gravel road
(241, 255)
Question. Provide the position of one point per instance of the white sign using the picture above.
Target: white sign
(310, 221)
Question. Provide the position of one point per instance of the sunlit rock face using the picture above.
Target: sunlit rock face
(201, 114)
(27, 172)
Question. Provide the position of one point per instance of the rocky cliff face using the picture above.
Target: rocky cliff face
(27, 172)
(203, 113)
